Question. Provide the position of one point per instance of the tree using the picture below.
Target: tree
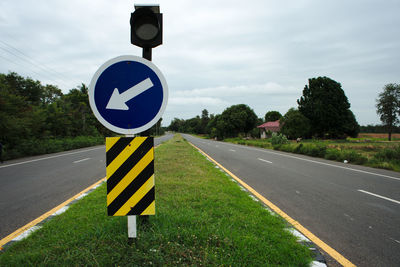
(204, 121)
(236, 119)
(388, 107)
(77, 106)
(272, 116)
(175, 125)
(325, 104)
(295, 124)
(50, 94)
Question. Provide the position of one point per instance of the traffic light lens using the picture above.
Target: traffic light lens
(146, 27)
(147, 31)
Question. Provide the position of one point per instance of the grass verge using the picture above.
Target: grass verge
(202, 218)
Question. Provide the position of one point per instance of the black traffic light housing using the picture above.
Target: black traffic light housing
(146, 26)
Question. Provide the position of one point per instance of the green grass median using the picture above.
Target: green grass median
(202, 219)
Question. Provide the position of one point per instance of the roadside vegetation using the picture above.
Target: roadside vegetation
(367, 149)
(32, 147)
(37, 119)
(202, 219)
(322, 126)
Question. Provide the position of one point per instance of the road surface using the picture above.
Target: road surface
(32, 186)
(354, 209)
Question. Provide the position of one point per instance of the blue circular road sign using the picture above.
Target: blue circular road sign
(128, 94)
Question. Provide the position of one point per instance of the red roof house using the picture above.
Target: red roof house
(272, 126)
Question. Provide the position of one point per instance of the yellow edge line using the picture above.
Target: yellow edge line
(44, 216)
(332, 252)
(47, 214)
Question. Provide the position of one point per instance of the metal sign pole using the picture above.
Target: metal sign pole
(132, 230)
(132, 233)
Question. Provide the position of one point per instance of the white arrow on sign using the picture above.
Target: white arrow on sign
(118, 101)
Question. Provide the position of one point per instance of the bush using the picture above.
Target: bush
(278, 139)
(333, 154)
(353, 157)
(286, 148)
(297, 149)
(313, 150)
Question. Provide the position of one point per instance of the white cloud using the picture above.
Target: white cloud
(243, 91)
(196, 100)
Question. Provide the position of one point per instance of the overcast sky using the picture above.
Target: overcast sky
(215, 53)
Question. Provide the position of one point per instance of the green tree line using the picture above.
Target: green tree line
(37, 119)
(31, 112)
(234, 121)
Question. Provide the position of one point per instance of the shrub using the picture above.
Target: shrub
(286, 148)
(297, 149)
(278, 139)
(333, 154)
(313, 150)
(353, 157)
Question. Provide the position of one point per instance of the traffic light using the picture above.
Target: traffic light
(146, 26)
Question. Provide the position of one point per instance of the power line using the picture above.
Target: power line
(50, 73)
(48, 77)
(19, 64)
(33, 61)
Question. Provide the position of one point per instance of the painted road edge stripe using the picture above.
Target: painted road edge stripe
(332, 252)
(33, 223)
(376, 195)
(50, 157)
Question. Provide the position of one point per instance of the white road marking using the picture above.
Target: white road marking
(348, 216)
(375, 195)
(267, 161)
(394, 240)
(300, 237)
(232, 150)
(81, 160)
(27, 233)
(83, 195)
(51, 157)
(62, 210)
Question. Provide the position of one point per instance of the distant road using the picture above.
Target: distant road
(30, 187)
(354, 209)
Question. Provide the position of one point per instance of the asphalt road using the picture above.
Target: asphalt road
(354, 209)
(30, 187)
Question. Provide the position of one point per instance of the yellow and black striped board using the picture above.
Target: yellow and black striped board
(130, 176)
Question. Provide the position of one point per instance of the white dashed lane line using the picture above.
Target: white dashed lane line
(375, 195)
(264, 160)
(81, 160)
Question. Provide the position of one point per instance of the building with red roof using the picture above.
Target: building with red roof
(269, 127)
